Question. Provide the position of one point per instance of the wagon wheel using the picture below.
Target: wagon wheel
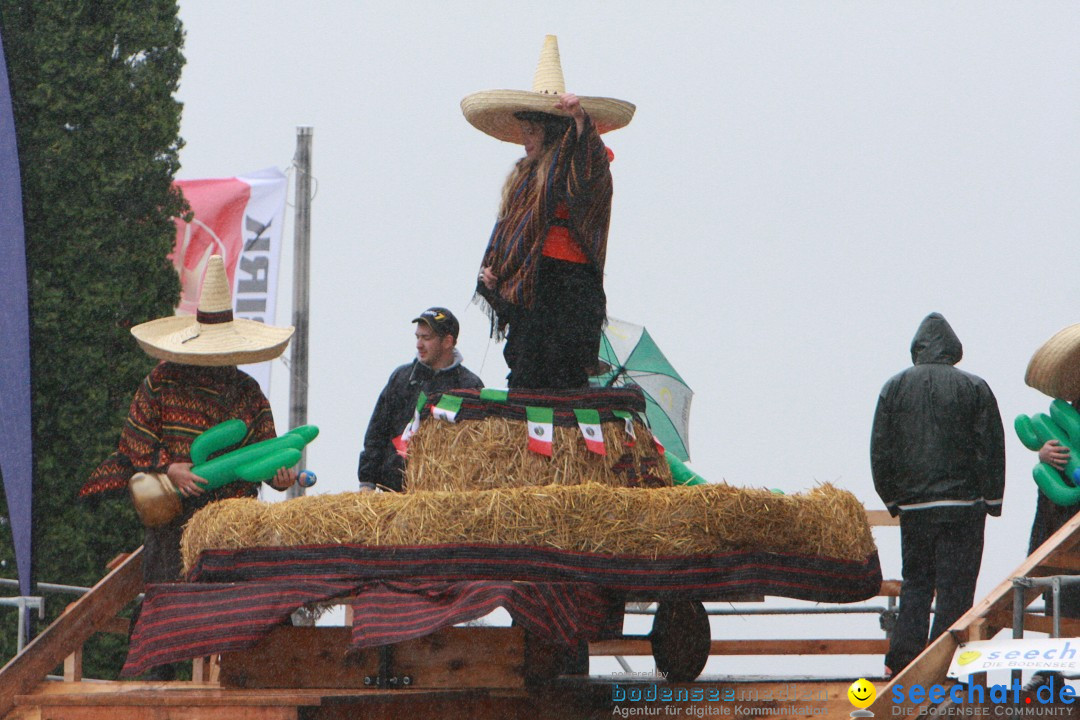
(681, 639)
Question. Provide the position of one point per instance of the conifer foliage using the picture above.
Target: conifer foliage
(97, 126)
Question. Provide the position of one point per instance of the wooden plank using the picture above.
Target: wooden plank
(839, 646)
(882, 518)
(890, 588)
(123, 693)
(1045, 624)
(69, 631)
(73, 666)
(319, 657)
(174, 712)
(930, 667)
(927, 669)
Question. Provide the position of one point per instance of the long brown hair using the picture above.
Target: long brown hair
(554, 128)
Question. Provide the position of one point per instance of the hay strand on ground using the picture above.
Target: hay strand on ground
(824, 521)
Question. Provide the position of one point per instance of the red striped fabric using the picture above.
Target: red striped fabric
(234, 597)
(184, 621)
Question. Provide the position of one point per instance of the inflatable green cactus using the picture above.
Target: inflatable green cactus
(1063, 425)
(253, 463)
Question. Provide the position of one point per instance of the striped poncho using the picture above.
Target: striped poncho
(579, 180)
(172, 406)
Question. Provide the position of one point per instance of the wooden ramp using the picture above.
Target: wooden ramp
(1059, 555)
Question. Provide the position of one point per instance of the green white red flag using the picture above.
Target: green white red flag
(588, 421)
(447, 408)
(627, 418)
(401, 442)
(541, 429)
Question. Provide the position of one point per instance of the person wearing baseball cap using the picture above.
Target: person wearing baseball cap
(436, 368)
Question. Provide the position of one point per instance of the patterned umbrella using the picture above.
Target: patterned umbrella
(630, 358)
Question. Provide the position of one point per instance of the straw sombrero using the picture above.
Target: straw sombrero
(1054, 369)
(492, 111)
(212, 336)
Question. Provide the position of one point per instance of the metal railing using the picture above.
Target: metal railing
(26, 603)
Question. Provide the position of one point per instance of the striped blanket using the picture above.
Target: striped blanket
(233, 598)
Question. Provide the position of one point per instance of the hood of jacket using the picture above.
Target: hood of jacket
(935, 342)
(455, 363)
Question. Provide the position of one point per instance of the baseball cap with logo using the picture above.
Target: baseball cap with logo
(441, 320)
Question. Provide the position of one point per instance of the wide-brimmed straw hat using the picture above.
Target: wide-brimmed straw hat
(1054, 369)
(212, 336)
(492, 111)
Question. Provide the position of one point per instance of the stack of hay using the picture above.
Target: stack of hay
(475, 481)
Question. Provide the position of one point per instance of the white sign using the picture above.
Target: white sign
(1060, 654)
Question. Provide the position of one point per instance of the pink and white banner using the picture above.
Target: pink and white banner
(240, 218)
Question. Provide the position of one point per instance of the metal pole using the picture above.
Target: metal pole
(301, 272)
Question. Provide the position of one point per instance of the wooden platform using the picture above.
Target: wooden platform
(474, 672)
(565, 700)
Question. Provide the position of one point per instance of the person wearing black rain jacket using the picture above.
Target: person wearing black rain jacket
(937, 454)
(436, 368)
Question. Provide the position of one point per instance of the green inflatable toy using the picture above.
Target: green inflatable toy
(253, 463)
(681, 474)
(1063, 425)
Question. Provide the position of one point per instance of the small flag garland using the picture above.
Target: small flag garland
(541, 429)
(589, 423)
(447, 408)
(627, 418)
(401, 442)
(494, 395)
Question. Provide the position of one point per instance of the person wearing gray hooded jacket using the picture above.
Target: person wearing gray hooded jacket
(937, 454)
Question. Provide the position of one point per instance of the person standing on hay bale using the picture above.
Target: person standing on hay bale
(195, 387)
(541, 277)
(937, 455)
(436, 368)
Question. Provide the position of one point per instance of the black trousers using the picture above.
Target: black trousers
(556, 342)
(942, 550)
(1049, 517)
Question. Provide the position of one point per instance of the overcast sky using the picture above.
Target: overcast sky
(801, 184)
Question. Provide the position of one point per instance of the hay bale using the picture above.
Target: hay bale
(493, 453)
(714, 518)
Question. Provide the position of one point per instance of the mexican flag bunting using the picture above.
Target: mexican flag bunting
(626, 417)
(447, 408)
(589, 422)
(401, 442)
(494, 394)
(541, 429)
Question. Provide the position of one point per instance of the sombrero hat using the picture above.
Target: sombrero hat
(492, 111)
(1054, 369)
(212, 336)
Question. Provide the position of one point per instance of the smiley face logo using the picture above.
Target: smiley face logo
(967, 657)
(861, 693)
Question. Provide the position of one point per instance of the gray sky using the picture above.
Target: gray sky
(801, 184)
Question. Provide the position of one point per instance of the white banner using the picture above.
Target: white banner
(1060, 654)
(240, 218)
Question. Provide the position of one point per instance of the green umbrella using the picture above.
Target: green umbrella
(630, 358)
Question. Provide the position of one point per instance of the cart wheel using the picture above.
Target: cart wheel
(681, 639)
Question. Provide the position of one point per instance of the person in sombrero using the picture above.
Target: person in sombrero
(541, 277)
(1054, 369)
(195, 386)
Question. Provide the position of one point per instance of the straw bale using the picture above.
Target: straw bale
(680, 520)
(493, 453)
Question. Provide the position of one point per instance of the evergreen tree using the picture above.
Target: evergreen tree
(97, 126)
